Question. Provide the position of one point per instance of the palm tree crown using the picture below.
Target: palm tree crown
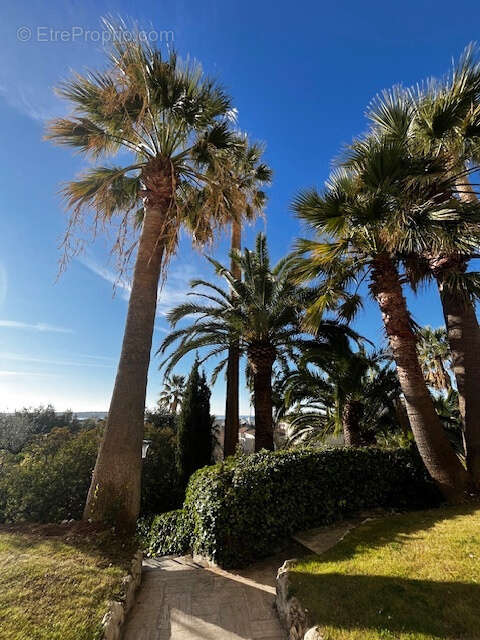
(174, 123)
(172, 393)
(434, 357)
(338, 390)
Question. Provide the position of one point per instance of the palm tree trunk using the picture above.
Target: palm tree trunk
(464, 341)
(261, 358)
(443, 377)
(114, 494)
(232, 419)
(433, 445)
(351, 415)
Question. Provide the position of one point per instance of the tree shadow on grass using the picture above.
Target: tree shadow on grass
(399, 528)
(391, 605)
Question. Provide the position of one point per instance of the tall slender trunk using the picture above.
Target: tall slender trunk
(174, 406)
(443, 378)
(232, 419)
(261, 358)
(464, 341)
(433, 445)
(114, 494)
(351, 415)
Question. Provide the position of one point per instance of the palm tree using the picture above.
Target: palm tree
(172, 120)
(448, 122)
(444, 119)
(261, 313)
(434, 355)
(369, 213)
(172, 393)
(248, 175)
(339, 390)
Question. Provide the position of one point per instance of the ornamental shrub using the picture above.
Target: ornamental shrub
(169, 534)
(194, 438)
(240, 510)
(161, 487)
(49, 481)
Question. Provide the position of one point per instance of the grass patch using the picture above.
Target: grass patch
(55, 580)
(413, 576)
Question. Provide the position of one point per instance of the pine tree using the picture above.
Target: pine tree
(194, 444)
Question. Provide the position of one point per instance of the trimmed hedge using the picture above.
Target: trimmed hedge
(238, 511)
(169, 534)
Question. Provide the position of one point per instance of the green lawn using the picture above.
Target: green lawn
(55, 580)
(411, 576)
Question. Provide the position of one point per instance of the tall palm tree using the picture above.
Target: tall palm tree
(261, 312)
(369, 213)
(172, 393)
(248, 175)
(448, 122)
(443, 118)
(434, 356)
(172, 121)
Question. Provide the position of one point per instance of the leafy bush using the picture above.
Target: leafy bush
(169, 533)
(161, 488)
(239, 510)
(49, 481)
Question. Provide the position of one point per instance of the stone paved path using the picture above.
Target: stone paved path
(180, 599)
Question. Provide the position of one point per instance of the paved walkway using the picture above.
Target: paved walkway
(180, 599)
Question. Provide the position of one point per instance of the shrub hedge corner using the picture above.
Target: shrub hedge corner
(238, 511)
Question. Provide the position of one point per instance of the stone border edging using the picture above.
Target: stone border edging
(290, 610)
(113, 620)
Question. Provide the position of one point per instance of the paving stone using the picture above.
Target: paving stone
(181, 600)
(270, 628)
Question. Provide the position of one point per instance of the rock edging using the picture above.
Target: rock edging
(292, 613)
(113, 620)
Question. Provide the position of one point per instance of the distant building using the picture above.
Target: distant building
(246, 436)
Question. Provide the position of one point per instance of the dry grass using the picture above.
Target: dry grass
(55, 580)
(413, 576)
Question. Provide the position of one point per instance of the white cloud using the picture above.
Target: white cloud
(18, 357)
(173, 292)
(118, 282)
(39, 326)
(8, 373)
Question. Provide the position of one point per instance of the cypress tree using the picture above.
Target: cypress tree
(194, 444)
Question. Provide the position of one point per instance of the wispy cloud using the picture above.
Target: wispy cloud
(18, 97)
(39, 326)
(89, 356)
(18, 357)
(36, 374)
(119, 283)
(173, 292)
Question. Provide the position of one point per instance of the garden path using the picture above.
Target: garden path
(182, 599)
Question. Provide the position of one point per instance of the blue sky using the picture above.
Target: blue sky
(301, 76)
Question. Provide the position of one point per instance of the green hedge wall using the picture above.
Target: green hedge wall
(169, 534)
(238, 511)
